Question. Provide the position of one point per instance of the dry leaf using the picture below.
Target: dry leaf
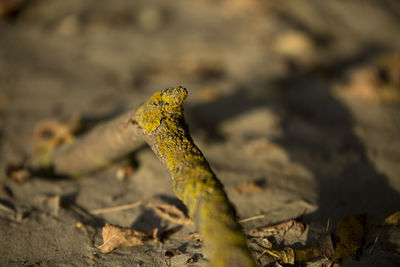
(248, 188)
(349, 235)
(278, 229)
(286, 255)
(115, 237)
(289, 255)
(18, 173)
(393, 219)
(171, 213)
(51, 133)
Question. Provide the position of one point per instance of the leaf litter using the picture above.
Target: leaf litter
(392, 220)
(347, 240)
(116, 237)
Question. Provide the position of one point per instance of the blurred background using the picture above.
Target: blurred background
(303, 96)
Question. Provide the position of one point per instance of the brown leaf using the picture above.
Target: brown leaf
(171, 213)
(51, 133)
(115, 237)
(279, 229)
(288, 255)
(393, 219)
(349, 235)
(285, 255)
(18, 173)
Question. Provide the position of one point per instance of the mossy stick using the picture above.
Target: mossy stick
(161, 118)
(96, 149)
(160, 123)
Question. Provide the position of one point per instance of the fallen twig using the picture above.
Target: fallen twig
(161, 124)
(252, 218)
(96, 149)
(194, 182)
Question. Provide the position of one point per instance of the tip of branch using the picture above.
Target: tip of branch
(163, 104)
(174, 96)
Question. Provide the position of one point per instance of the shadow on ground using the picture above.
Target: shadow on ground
(318, 133)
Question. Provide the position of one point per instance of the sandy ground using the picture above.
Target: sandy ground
(299, 97)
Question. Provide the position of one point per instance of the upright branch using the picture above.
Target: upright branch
(161, 119)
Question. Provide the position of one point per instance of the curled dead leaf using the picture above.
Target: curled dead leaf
(278, 229)
(349, 235)
(285, 255)
(392, 220)
(289, 255)
(115, 237)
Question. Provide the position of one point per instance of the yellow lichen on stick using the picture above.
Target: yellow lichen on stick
(161, 117)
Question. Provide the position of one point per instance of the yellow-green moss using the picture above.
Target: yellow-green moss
(194, 182)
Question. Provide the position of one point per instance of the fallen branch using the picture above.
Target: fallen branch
(161, 118)
(161, 124)
(97, 149)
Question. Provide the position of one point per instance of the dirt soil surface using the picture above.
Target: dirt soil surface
(295, 104)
